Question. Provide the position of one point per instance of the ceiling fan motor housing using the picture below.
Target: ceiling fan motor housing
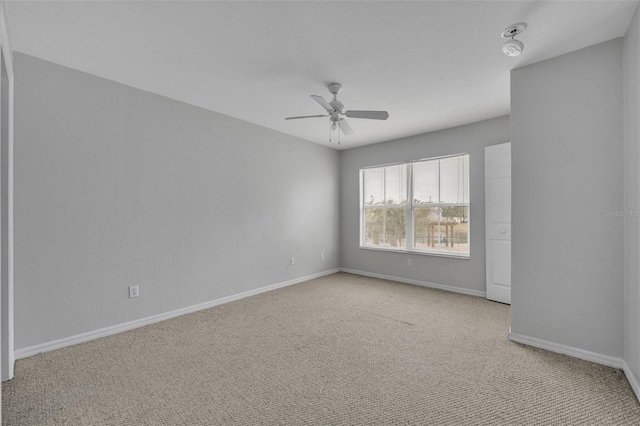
(337, 105)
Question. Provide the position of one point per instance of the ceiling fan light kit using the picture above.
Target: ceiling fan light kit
(335, 109)
(513, 47)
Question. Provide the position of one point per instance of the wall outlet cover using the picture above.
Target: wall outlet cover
(133, 291)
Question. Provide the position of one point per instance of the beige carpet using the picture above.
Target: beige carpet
(342, 349)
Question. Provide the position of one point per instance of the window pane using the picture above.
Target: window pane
(425, 228)
(454, 180)
(441, 229)
(396, 184)
(425, 182)
(456, 222)
(395, 229)
(373, 186)
(385, 227)
(374, 227)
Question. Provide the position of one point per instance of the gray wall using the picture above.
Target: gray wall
(463, 273)
(115, 186)
(567, 255)
(632, 196)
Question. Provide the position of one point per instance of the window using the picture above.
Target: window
(435, 221)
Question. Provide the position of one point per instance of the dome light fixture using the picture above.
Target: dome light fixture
(513, 47)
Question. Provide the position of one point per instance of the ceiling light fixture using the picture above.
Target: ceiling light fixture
(513, 47)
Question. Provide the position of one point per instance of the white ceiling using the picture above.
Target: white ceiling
(432, 65)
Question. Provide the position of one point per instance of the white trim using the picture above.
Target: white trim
(453, 289)
(389, 249)
(633, 381)
(8, 359)
(114, 329)
(567, 350)
(408, 213)
(5, 38)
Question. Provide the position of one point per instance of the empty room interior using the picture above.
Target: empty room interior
(320, 212)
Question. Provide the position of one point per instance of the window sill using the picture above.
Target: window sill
(420, 253)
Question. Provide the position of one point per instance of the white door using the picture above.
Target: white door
(497, 178)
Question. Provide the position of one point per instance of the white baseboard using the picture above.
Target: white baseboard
(416, 282)
(633, 381)
(567, 350)
(581, 354)
(114, 329)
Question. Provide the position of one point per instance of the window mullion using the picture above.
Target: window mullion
(384, 203)
(439, 218)
(362, 210)
(409, 209)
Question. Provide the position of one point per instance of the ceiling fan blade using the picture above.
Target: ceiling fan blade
(344, 126)
(305, 116)
(375, 115)
(321, 101)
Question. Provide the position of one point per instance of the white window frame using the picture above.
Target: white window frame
(409, 207)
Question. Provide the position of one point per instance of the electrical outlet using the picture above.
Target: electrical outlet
(292, 261)
(133, 291)
(409, 262)
(321, 256)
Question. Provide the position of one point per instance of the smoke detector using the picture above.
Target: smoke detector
(513, 47)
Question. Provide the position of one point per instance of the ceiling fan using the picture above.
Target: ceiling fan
(335, 109)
